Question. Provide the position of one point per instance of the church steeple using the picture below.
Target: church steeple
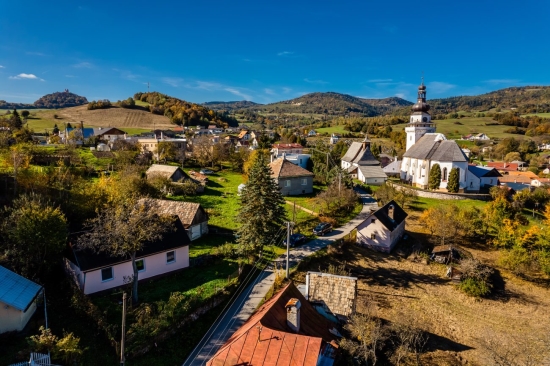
(421, 121)
(421, 105)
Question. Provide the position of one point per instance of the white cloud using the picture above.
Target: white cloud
(83, 65)
(26, 76)
(207, 85)
(238, 93)
(287, 90)
(380, 80)
(269, 91)
(2, 67)
(285, 53)
(175, 82)
(320, 82)
(438, 87)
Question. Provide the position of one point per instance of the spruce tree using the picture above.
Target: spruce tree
(453, 184)
(16, 122)
(435, 177)
(262, 212)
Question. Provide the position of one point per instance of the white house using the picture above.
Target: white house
(393, 169)
(312, 133)
(480, 136)
(479, 177)
(361, 164)
(382, 230)
(425, 148)
(17, 300)
(109, 133)
(94, 272)
(334, 138)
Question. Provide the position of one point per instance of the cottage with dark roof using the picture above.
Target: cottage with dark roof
(94, 272)
(480, 178)
(292, 179)
(426, 148)
(360, 163)
(17, 300)
(286, 330)
(174, 173)
(382, 230)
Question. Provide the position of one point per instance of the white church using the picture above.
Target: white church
(425, 148)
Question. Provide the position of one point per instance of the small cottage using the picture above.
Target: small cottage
(383, 229)
(192, 215)
(292, 179)
(17, 300)
(94, 272)
(361, 164)
(174, 173)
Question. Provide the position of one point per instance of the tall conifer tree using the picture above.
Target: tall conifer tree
(262, 212)
(435, 177)
(453, 185)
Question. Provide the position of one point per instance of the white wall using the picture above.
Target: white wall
(13, 319)
(154, 265)
(472, 182)
(385, 240)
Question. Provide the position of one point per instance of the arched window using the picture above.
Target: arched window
(444, 175)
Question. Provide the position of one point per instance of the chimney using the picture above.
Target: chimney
(293, 314)
(390, 211)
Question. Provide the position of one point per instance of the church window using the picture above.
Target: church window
(444, 175)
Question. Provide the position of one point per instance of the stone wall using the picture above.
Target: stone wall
(337, 293)
(446, 195)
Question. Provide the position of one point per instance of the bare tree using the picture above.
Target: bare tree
(122, 230)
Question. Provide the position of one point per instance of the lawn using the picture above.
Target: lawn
(543, 115)
(333, 129)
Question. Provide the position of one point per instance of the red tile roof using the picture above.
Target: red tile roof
(502, 166)
(266, 339)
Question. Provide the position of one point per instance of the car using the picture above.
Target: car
(322, 229)
(206, 171)
(295, 239)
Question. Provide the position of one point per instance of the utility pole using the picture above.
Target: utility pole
(122, 357)
(287, 249)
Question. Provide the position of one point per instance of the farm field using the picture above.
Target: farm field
(333, 129)
(543, 115)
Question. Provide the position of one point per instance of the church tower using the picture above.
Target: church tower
(421, 121)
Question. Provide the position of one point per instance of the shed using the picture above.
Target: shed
(174, 173)
(17, 300)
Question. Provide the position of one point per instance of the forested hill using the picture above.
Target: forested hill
(184, 113)
(230, 106)
(331, 103)
(51, 101)
(526, 99)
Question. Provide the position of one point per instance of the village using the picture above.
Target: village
(285, 246)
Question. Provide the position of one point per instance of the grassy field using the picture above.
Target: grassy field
(333, 129)
(455, 128)
(543, 115)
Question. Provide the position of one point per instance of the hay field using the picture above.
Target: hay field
(112, 117)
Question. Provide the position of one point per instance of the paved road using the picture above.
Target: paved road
(248, 301)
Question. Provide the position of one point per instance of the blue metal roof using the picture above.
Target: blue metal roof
(17, 291)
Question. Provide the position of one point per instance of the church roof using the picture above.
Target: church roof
(352, 152)
(365, 157)
(434, 146)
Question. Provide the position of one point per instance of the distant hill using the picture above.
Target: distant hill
(60, 100)
(525, 99)
(337, 104)
(230, 106)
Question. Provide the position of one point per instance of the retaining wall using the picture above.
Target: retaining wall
(445, 195)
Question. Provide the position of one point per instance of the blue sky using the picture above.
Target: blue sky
(267, 51)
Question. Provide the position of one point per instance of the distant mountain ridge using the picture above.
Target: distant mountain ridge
(54, 100)
(230, 106)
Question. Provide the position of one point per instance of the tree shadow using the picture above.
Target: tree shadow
(437, 342)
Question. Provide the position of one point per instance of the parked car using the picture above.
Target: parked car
(206, 171)
(295, 239)
(322, 228)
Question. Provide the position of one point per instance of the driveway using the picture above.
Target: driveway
(247, 302)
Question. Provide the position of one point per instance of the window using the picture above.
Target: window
(107, 274)
(287, 183)
(140, 264)
(372, 221)
(491, 181)
(304, 181)
(373, 236)
(170, 257)
(444, 175)
(471, 184)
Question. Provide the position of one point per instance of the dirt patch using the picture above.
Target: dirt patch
(459, 326)
(115, 117)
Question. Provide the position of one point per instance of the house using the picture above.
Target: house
(386, 159)
(279, 149)
(244, 135)
(312, 133)
(292, 179)
(466, 151)
(382, 230)
(285, 330)
(192, 215)
(332, 295)
(109, 133)
(17, 300)
(481, 178)
(214, 130)
(174, 173)
(150, 144)
(520, 164)
(76, 135)
(518, 177)
(481, 137)
(361, 164)
(540, 182)
(334, 138)
(503, 166)
(393, 169)
(94, 272)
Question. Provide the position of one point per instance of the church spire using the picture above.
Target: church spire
(421, 105)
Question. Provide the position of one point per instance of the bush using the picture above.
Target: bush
(516, 260)
(226, 250)
(474, 287)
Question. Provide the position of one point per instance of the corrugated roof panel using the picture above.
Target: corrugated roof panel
(16, 290)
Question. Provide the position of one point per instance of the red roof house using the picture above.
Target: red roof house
(286, 330)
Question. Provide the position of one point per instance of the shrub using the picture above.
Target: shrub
(474, 287)
(516, 260)
(226, 250)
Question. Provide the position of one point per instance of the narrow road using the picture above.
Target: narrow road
(247, 302)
